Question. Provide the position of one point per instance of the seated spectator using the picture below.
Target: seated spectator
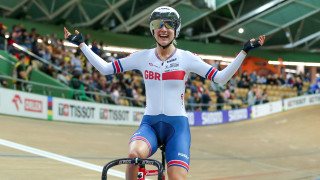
(11, 40)
(290, 80)
(205, 100)
(244, 75)
(89, 83)
(102, 83)
(21, 71)
(63, 77)
(136, 95)
(281, 80)
(193, 101)
(220, 100)
(264, 96)
(25, 39)
(200, 88)
(227, 94)
(316, 87)
(115, 91)
(299, 85)
(306, 77)
(15, 33)
(243, 83)
(254, 76)
(102, 52)
(233, 83)
(46, 53)
(259, 99)
(95, 47)
(75, 63)
(250, 82)
(193, 86)
(87, 39)
(251, 97)
(263, 80)
(76, 84)
(271, 80)
(3, 29)
(3, 83)
(53, 39)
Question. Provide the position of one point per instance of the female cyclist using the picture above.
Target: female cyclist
(165, 70)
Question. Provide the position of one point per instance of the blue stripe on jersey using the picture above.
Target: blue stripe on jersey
(214, 75)
(208, 72)
(114, 68)
(121, 69)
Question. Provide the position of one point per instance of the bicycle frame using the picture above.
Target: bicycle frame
(135, 161)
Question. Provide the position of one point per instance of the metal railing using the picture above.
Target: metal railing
(7, 60)
(25, 50)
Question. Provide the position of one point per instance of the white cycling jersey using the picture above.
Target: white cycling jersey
(165, 81)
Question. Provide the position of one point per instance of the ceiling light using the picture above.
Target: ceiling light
(240, 30)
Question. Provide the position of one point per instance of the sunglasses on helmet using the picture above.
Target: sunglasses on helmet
(157, 24)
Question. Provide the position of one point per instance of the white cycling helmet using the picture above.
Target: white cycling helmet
(167, 14)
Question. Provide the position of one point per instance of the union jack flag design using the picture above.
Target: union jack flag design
(117, 67)
(211, 73)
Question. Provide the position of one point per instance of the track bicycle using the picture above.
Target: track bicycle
(142, 173)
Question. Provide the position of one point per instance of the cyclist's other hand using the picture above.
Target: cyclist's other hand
(74, 39)
(253, 44)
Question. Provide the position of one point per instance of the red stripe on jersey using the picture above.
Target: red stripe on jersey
(155, 51)
(173, 75)
(117, 66)
(211, 73)
(173, 162)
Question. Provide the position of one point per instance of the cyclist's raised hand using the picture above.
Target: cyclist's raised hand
(75, 39)
(253, 44)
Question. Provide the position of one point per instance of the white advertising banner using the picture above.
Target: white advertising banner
(266, 109)
(301, 101)
(86, 112)
(313, 99)
(19, 103)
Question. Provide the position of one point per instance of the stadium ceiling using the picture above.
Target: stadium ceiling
(288, 24)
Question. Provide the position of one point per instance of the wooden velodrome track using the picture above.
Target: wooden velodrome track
(282, 146)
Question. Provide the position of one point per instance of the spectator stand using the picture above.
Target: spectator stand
(128, 88)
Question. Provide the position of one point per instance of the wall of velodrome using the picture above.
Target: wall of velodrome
(30, 105)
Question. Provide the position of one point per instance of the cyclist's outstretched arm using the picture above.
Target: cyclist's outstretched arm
(101, 65)
(134, 61)
(211, 73)
(225, 75)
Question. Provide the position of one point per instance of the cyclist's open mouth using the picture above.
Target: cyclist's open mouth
(163, 37)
